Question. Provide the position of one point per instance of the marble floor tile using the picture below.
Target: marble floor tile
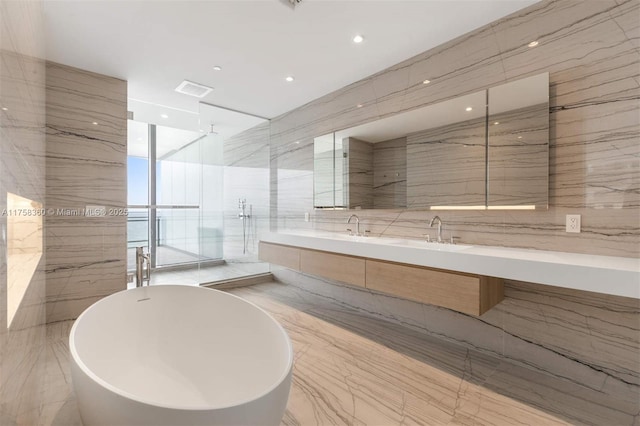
(353, 369)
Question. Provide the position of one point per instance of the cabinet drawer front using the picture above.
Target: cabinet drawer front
(286, 256)
(453, 291)
(338, 267)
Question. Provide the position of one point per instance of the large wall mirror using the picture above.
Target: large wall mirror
(486, 150)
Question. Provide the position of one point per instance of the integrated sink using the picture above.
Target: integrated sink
(431, 246)
(401, 242)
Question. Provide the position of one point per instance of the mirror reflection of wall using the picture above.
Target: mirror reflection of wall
(323, 189)
(390, 174)
(340, 179)
(518, 144)
(446, 161)
(484, 150)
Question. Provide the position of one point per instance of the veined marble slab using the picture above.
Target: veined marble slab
(568, 270)
(86, 165)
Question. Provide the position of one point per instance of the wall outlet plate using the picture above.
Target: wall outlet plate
(573, 223)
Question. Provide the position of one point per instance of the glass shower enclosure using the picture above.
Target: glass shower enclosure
(199, 199)
(175, 198)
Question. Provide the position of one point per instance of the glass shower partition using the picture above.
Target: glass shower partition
(189, 200)
(175, 198)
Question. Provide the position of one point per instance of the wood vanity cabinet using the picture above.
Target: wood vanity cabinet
(339, 267)
(467, 293)
(286, 256)
(471, 294)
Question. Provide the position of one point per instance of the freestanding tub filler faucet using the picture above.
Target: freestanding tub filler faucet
(437, 218)
(357, 223)
(142, 274)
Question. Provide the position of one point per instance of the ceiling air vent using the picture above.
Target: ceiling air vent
(193, 89)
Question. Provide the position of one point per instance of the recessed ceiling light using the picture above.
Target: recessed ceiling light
(95, 123)
(217, 68)
(519, 137)
(5, 109)
(533, 43)
(297, 142)
(358, 39)
(426, 82)
(468, 109)
(359, 106)
(164, 116)
(289, 79)
(496, 123)
(139, 139)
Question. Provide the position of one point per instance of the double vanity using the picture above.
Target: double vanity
(460, 277)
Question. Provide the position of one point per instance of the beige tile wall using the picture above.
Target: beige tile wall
(86, 165)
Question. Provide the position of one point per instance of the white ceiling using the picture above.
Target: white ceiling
(154, 45)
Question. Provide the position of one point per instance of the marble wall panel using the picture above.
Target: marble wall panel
(390, 174)
(626, 18)
(22, 193)
(86, 165)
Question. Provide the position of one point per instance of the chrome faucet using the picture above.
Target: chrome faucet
(437, 218)
(357, 224)
(141, 275)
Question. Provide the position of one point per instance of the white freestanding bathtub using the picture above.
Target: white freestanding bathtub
(179, 355)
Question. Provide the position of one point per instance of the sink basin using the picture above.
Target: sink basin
(431, 246)
(393, 241)
(407, 243)
(346, 237)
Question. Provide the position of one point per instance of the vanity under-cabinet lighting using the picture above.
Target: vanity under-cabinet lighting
(524, 207)
(511, 207)
(457, 208)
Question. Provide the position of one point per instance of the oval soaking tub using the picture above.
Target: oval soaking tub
(179, 355)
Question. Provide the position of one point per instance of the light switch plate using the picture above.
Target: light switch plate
(306, 216)
(573, 223)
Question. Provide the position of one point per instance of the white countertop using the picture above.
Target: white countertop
(618, 276)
